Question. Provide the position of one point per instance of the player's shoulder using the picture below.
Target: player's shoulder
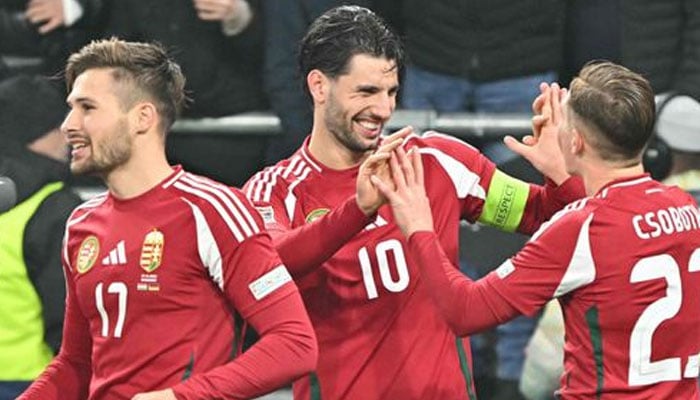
(199, 189)
(217, 203)
(571, 217)
(448, 151)
(438, 141)
(87, 207)
(279, 178)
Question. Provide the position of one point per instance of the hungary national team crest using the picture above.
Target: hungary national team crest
(316, 214)
(152, 250)
(87, 254)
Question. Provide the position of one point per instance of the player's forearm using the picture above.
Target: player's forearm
(63, 378)
(544, 201)
(467, 306)
(68, 375)
(305, 248)
(286, 350)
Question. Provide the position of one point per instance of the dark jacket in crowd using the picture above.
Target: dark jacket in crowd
(484, 40)
(659, 39)
(223, 73)
(19, 37)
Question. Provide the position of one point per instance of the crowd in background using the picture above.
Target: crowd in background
(463, 55)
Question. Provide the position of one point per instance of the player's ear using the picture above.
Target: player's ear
(144, 116)
(578, 142)
(317, 82)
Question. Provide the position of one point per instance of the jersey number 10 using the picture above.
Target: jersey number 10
(382, 250)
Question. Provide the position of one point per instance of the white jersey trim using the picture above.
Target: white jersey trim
(430, 134)
(604, 192)
(581, 270)
(207, 247)
(290, 201)
(465, 181)
(309, 160)
(172, 180)
(261, 186)
(237, 225)
(239, 209)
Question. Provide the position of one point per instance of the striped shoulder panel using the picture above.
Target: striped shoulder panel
(574, 206)
(437, 135)
(78, 215)
(226, 202)
(84, 209)
(261, 186)
(465, 181)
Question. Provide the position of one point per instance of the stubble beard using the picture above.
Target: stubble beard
(111, 153)
(342, 131)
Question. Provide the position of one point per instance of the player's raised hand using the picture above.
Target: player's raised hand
(541, 110)
(542, 150)
(406, 192)
(368, 197)
(166, 394)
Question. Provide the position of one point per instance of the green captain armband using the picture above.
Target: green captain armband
(505, 202)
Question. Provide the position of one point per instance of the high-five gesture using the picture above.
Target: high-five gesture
(406, 192)
(369, 199)
(542, 148)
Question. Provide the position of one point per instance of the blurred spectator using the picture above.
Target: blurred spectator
(660, 39)
(485, 56)
(48, 29)
(678, 125)
(479, 55)
(32, 289)
(218, 44)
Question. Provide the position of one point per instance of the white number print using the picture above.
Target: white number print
(118, 288)
(643, 371)
(382, 252)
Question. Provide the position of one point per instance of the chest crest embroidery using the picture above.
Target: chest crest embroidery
(152, 250)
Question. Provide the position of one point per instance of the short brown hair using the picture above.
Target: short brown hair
(617, 106)
(154, 75)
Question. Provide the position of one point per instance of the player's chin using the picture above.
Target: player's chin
(369, 144)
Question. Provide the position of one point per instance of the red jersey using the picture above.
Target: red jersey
(153, 283)
(624, 265)
(379, 334)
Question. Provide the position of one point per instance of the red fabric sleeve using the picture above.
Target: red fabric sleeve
(305, 248)
(287, 349)
(68, 374)
(544, 201)
(467, 306)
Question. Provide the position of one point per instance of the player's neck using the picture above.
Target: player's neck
(595, 177)
(137, 176)
(325, 148)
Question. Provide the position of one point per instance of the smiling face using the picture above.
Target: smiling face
(360, 102)
(97, 125)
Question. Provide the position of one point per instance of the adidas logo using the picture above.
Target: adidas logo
(117, 256)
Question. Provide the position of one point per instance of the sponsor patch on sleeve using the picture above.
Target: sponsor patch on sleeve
(505, 269)
(267, 214)
(269, 282)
